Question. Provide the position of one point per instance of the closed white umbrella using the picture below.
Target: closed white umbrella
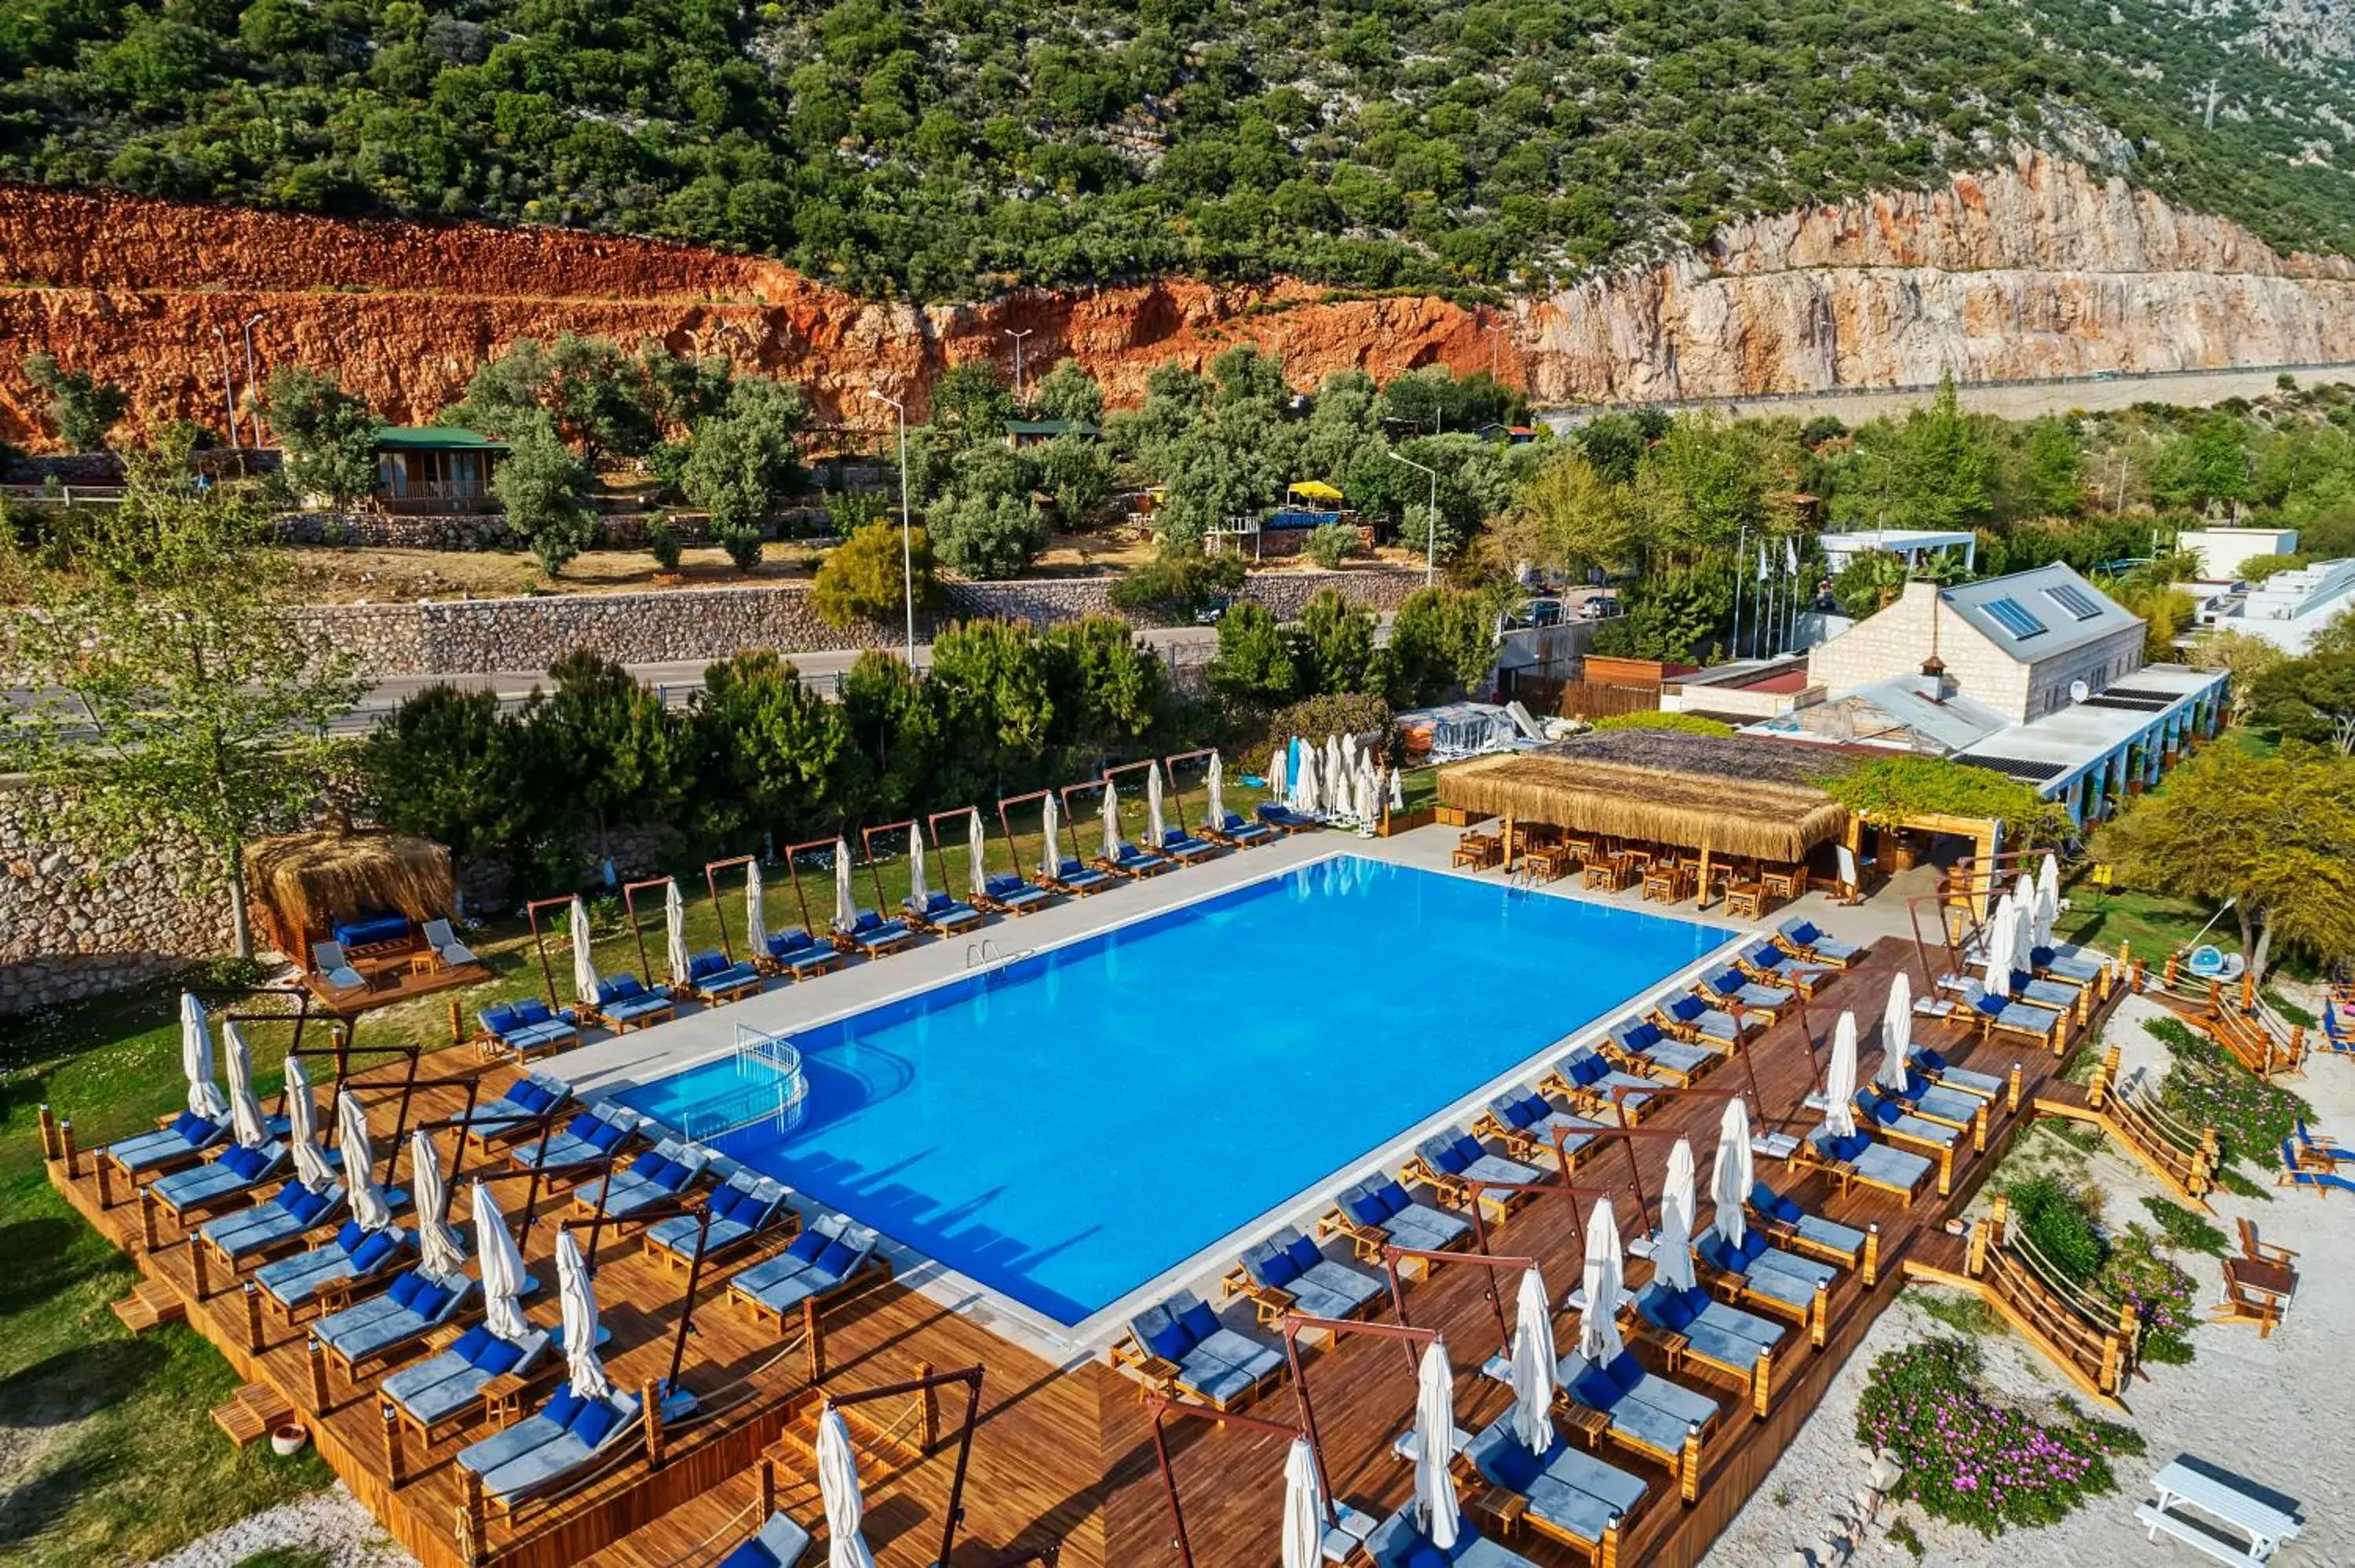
(1730, 1177)
(437, 1247)
(1434, 1434)
(584, 959)
(675, 932)
(1672, 1263)
(2002, 927)
(1304, 1507)
(578, 1299)
(244, 1109)
(1153, 818)
(1896, 1035)
(1533, 1363)
(1332, 773)
(1398, 790)
(369, 1206)
(977, 857)
(1050, 836)
(756, 929)
(2023, 937)
(2023, 892)
(1279, 772)
(303, 1129)
(1214, 805)
(196, 1059)
(1598, 1324)
(845, 903)
(1304, 796)
(1111, 849)
(1370, 789)
(2048, 906)
(837, 1486)
(502, 1268)
(1839, 1079)
(917, 889)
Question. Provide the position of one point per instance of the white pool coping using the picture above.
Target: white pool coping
(608, 1067)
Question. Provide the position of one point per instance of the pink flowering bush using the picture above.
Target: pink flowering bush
(1970, 1459)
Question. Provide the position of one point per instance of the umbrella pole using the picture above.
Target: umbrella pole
(458, 1161)
(1635, 1169)
(1169, 1492)
(793, 872)
(718, 915)
(531, 1188)
(687, 1302)
(1309, 1411)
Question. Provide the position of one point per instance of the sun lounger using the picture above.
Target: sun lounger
(1730, 988)
(561, 1439)
(1399, 1541)
(625, 1002)
(528, 1028)
(1638, 1043)
(219, 1182)
(1765, 962)
(1589, 1081)
(1764, 1274)
(1894, 1122)
(333, 968)
(1236, 832)
(1793, 1226)
(1009, 895)
(1567, 1493)
(1287, 1273)
(2321, 1183)
(1074, 877)
(1451, 1161)
(1181, 1344)
(589, 1137)
(1649, 1414)
(1934, 1101)
(1690, 1019)
(2079, 966)
(284, 1217)
(1986, 1086)
(871, 935)
(940, 914)
(1134, 863)
(353, 1259)
(778, 1543)
(656, 1175)
(1712, 1332)
(1528, 1127)
(793, 954)
(446, 1390)
(1994, 1013)
(517, 1107)
(447, 950)
(1380, 1211)
(416, 1304)
(1817, 947)
(2057, 995)
(1859, 1159)
(1283, 818)
(1184, 847)
(182, 1141)
(2319, 1147)
(712, 980)
(743, 1209)
(822, 1260)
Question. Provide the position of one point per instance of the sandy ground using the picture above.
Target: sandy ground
(2258, 1407)
(332, 1521)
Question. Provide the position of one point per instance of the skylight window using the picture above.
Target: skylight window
(2075, 601)
(2014, 617)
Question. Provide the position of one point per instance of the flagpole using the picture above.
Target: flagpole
(1741, 553)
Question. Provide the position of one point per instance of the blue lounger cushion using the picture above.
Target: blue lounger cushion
(417, 1303)
(1945, 1072)
(436, 1389)
(1757, 1252)
(1212, 1359)
(353, 1254)
(234, 1170)
(742, 1208)
(779, 1543)
(1455, 1153)
(1072, 873)
(1319, 1287)
(559, 1439)
(1243, 832)
(1399, 1542)
(1890, 1116)
(1805, 934)
(1648, 1425)
(1566, 1487)
(1773, 1205)
(820, 1258)
(188, 1136)
(293, 1211)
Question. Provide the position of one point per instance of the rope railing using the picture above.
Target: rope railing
(2049, 1274)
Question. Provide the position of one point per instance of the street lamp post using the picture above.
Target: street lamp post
(1430, 520)
(907, 558)
(228, 384)
(1017, 337)
(253, 403)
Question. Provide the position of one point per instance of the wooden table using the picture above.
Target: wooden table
(1588, 1423)
(1551, 861)
(2187, 1482)
(1501, 1507)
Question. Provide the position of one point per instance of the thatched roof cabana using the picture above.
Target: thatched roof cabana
(304, 883)
(1733, 797)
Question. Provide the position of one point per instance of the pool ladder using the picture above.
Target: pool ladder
(985, 956)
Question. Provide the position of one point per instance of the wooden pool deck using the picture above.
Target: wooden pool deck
(1065, 1454)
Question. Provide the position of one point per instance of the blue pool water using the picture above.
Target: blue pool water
(1065, 1128)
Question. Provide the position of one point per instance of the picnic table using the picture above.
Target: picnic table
(2185, 1483)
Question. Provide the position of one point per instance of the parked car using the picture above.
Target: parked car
(1602, 607)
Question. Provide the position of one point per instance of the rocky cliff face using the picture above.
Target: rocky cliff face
(2037, 268)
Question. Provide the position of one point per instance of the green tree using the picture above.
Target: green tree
(327, 434)
(2046, 476)
(1068, 392)
(610, 747)
(896, 742)
(987, 536)
(83, 408)
(2210, 465)
(971, 404)
(179, 705)
(1108, 689)
(770, 742)
(1939, 466)
(1567, 518)
(544, 492)
(2312, 698)
(598, 398)
(1442, 642)
(1671, 616)
(1177, 585)
(864, 579)
(2247, 659)
(1077, 471)
(990, 691)
(742, 463)
(444, 766)
(1254, 662)
(1337, 643)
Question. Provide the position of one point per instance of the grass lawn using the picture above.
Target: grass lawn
(2155, 923)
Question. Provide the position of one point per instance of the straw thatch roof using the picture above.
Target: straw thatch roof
(1733, 797)
(307, 881)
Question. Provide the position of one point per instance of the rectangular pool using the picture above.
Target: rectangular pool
(1067, 1127)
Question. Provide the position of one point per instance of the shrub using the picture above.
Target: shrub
(743, 545)
(988, 535)
(1177, 584)
(2159, 1292)
(1442, 641)
(1331, 544)
(2185, 1229)
(1254, 662)
(862, 578)
(1689, 724)
(2060, 1224)
(664, 543)
(1345, 712)
(545, 491)
(2205, 1085)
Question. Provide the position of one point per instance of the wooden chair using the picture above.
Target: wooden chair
(1479, 850)
(1783, 882)
(2253, 1293)
(2262, 1251)
(1745, 900)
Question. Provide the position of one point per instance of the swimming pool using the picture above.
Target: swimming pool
(1067, 1127)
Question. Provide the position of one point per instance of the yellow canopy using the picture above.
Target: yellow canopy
(1315, 489)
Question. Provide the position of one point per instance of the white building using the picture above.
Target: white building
(2289, 609)
(2222, 551)
(1912, 544)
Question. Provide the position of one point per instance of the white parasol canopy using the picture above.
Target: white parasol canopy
(1050, 836)
(196, 1059)
(244, 1109)
(1304, 1507)
(1606, 1270)
(846, 902)
(502, 1268)
(578, 1297)
(837, 1485)
(439, 1248)
(675, 932)
(1155, 826)
(2047, 897)
(1214, 790)
(756, 930)
(1730, 1177)
(1672, 1262)
(303, 1129)
(976, 856)
(1304, 796)
(2023, 937)
(584, 959)
(1839, 1079)
(1398, 790)
(369, 1206)
(1111, 846)
(918, 888)
(1533, 1363)
(1279, 772)
(1896, 1035)
(1333, 773)
(1434, 1436)
(2002, 926)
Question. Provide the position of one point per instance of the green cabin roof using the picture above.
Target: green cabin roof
(436, 437)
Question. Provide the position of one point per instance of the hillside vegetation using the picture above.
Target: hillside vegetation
(949, 148)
